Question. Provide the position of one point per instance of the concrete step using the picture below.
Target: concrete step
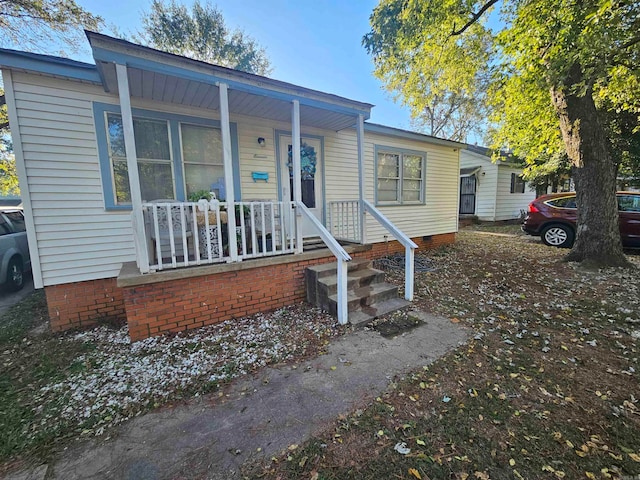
(331, 268)
(367, 313)
(362, 296)
(356, 278)
(312, 243)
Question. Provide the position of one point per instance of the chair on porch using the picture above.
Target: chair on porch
(166, 227)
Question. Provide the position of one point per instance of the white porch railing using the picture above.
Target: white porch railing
(407, 243)
(341, 256)
(183, 234)
(343, 220)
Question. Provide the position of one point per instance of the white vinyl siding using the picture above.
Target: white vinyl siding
(494, 200)
(78, 239)
(511, 205)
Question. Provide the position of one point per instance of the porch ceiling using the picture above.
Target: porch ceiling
(163, 77)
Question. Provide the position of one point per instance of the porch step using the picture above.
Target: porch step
(368, 295)
(312, 243)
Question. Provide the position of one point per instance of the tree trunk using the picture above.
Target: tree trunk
(598, 235)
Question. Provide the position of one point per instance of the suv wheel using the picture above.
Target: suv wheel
(558, 236)
(15, 275)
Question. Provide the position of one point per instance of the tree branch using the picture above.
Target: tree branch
(474, 18)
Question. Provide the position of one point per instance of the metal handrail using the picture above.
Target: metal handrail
(335, 247)
(341, 255)
(406, 242)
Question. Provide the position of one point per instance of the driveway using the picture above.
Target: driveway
(9, 299)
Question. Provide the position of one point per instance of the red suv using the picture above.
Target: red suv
(553, 217)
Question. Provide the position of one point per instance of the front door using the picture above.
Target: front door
(310, 176)
(468, 195)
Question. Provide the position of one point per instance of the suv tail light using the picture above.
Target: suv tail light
(533, 208)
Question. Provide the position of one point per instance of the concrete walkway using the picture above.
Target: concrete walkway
(261, 415)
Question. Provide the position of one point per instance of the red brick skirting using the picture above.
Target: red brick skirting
(82, 304)
(186, 303)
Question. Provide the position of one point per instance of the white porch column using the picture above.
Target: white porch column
(228, 170)
(297, 181)
(142, 254)
(361, 177)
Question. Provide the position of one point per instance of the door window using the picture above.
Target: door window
(308, 163)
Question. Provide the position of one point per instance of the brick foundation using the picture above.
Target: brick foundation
(182, 304)
(83, 304)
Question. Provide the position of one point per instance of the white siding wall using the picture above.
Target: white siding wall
(486, 184)
(439, 214)
(79, 240)
(509, 205)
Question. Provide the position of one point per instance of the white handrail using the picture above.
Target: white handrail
(335, 247)
(406, 242)
(341, 255)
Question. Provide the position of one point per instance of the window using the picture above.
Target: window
(177, 155)
(17, 220)
(153, 150)
(399, 177)
(629, 203)
(517, 183)
(564, 202)
(202, 156)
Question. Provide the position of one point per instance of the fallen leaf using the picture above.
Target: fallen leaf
(420, 442)
(512, 462)
(333, 367)
(634, 456)
(413, 472)
(455, 320)
(292, 447)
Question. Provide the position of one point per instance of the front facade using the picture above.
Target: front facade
(113, 157)
(491, 191)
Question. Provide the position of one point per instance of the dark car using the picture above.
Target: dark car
(553, 217)
(14, 250)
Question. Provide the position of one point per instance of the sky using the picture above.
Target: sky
(312, 43)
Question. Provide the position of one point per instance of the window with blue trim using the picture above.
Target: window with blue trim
(399, 176)
(153, 149)
(177, 155)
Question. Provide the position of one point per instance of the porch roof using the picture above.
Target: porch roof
(165, 77)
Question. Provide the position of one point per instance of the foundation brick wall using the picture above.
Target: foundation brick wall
(172, 306)
(83, 304)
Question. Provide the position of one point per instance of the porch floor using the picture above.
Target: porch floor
(130, 276)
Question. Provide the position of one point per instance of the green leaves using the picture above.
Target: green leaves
(201, 34)
(37, 24)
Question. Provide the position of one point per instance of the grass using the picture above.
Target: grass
(56, 388)
(548, 388)
(28, 362)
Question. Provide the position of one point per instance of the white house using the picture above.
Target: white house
(109, 154)
(492, 191)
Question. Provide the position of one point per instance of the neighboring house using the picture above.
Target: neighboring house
(108, 156)
(491, 191)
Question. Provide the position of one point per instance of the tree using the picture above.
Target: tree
(446, 102)
(202, 35)
(38, 24)
(558, 68)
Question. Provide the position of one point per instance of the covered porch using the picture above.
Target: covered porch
(195, 214)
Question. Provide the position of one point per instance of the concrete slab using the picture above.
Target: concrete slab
(37, 473)
(260, 415)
